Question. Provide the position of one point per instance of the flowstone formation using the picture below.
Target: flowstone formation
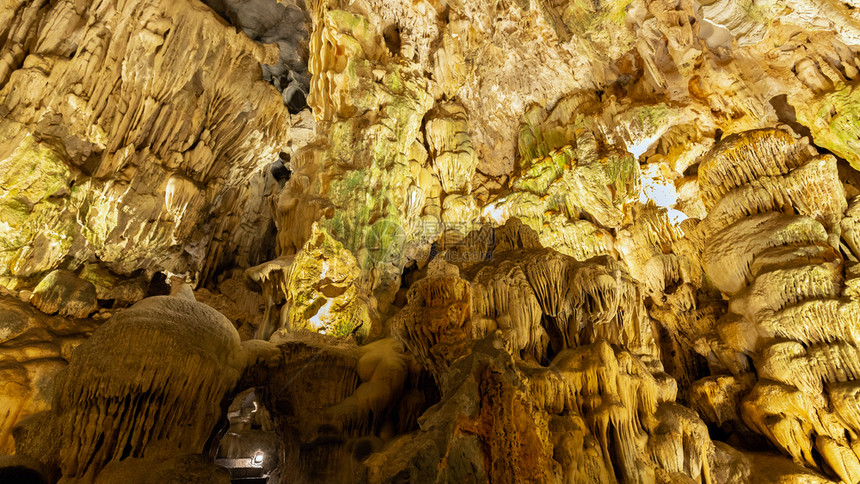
(430, 241)
(109, 412)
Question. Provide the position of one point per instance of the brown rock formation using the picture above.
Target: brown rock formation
(505, 241)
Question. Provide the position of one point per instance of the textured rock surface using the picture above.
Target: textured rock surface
(120, 140)
(120, 401)
(506, 241)
(35, 347)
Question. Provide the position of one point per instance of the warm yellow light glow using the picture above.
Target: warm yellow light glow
(319, 320)
(496, 212)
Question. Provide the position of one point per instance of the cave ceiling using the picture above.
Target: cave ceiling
(430, 241)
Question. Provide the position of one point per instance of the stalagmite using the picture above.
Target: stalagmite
(120, 399)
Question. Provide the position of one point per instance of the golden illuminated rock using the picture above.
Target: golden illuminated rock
(507, 241)
(124, 139)
(323, 292)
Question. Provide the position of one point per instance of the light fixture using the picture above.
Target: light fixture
(258, 458)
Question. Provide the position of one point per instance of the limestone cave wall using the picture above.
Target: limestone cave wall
(430, 241)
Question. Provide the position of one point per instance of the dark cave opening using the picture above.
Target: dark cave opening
(786, 114)
(249, 448)
(274, 22)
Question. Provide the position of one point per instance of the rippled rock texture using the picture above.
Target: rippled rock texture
(481, 241)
